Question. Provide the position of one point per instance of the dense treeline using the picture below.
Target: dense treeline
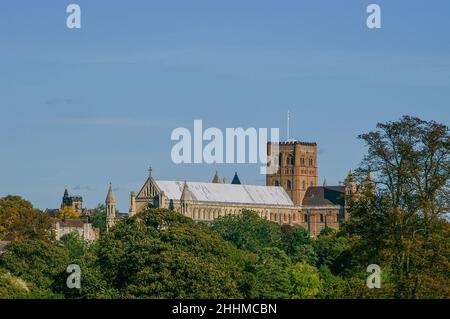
(398, 221)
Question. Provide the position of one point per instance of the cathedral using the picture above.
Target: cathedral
(291, 194)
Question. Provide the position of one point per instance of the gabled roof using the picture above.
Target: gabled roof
(227, 193)
(324, 196)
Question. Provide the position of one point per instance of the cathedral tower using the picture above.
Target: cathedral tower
(297, 168)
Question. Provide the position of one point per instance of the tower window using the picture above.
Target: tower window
(289, 184)
(312, 184)
(311, 162)
(277, 183)
(321, 218)
(302, 161)
(303, 184)
(290, 160)
(305, 218)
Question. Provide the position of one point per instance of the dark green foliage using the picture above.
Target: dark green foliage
(161, 254)
(38, 262)
(249, 232)
(272, 279)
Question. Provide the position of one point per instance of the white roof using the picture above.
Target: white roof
(227, 193)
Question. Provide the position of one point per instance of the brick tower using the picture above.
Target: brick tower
(297, 169)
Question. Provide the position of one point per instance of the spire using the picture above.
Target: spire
(288, 128)
(325, 182)
(216, 178)
(186, 194)
(150, 170)
(66, 193)
(236, 179)
(110, 198)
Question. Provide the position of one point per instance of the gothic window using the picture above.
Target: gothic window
(290, 160)
(311, 162)
(277, 183)
(302, 161)
(279, 160)
(303, 184)
(321, 218)
(289, 184)
(312, 184)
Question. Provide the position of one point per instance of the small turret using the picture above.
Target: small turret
(236, 180)
(216, 178)
(350, 184)
(185, 200)
(110, 203)
(325, 182)
(132, 210)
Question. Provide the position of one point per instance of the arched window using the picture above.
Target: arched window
(321, 218)
(289, 184)
(312, 184)
(302, 161)
(303, 184)
(277, 183)
(305, 218)
(290, 160)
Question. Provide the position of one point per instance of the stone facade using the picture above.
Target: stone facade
(80, 226)
(297, 168)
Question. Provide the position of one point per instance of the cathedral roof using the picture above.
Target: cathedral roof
(227, 193)
(324, 196)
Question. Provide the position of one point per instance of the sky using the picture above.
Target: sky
(80, 108)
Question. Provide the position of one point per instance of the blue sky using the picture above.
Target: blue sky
(81, 108)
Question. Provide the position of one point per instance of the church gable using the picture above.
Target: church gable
(149, 190)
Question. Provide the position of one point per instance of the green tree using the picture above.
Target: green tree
(305, 281)
(99, 219)
(162, 254)
(38, 262)
(248, 231)
(272, 277)
(298, 244)
(402, 222)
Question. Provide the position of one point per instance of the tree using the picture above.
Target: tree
(75, 245)
(38, 262)
(305, 281)
(162, 254)
(68, 212)
(248, 231)
(298, 244)
(403, 219)
(99, 219)
(272, 278)
(20, 220)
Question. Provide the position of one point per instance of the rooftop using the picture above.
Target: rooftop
(227, 193)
